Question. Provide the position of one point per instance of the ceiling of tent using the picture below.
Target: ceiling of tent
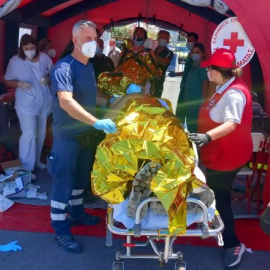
(50, 13)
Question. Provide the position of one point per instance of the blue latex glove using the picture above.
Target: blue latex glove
(12, 246)
(172, 74)
(105, 124)
(133, 88)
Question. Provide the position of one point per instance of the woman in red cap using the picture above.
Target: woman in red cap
(224, 127)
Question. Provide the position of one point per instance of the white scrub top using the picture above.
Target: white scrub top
(38, 96)
(230, 107)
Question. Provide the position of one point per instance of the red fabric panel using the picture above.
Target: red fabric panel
(247, 76)
(256, 24)
(58, 8)
(25, 2)
(30, 218)
(62, 33)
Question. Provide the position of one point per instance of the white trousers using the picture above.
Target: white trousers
(33, 129)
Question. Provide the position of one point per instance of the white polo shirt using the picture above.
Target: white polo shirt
(230, 107)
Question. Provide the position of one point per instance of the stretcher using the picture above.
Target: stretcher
(207, 220)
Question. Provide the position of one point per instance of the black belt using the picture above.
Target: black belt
(90, 138)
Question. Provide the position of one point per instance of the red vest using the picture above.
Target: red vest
(233, 150)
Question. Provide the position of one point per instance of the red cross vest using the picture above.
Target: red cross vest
(233, 150)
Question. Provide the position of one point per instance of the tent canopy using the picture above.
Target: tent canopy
(52, 12)
(58, 16)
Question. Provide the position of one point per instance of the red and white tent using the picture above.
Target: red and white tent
(54, 18)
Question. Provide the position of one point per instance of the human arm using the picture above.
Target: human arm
(230, 115)
(163, 61)
(202, 139)
(175, 74)
(11, 77)
(118, 104)
(74, 109)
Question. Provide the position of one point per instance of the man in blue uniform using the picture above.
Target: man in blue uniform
(74, 124)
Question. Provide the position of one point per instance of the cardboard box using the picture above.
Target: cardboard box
(17, 171)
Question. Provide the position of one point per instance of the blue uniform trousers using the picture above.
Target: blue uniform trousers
(70, 165)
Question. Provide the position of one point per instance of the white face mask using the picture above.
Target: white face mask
(196, 57)
(30, 54)
(89, 49)
(111, 48)
(162, 42)
(51, 53)
(190, 45)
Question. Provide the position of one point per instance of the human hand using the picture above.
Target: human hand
(24, 85)
(45, 80)
(105, 124)
(172, 74)
(12, 246)
(200, 139)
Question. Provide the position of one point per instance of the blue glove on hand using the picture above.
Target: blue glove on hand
(172, 74)
(105, 124)
(11, 247)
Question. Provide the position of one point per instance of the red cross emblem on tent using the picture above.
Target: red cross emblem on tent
(231, 35)
(234, 42)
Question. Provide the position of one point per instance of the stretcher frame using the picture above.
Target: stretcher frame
(204, 230)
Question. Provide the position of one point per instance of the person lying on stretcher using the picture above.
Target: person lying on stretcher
(149, 153)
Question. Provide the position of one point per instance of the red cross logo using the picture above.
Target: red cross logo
(234, 42)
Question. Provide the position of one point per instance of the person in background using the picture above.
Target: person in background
(114, 52)
(74, 127)
(164, 57)
(224, 127)
(196, 87)
(192, 38)
(28, 72)
(138, 38)
(101, 62)
(45, 45)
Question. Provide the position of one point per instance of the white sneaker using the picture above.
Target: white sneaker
(40, 165)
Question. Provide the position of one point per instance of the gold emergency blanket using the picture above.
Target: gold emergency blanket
(137, 68)
(147, 131)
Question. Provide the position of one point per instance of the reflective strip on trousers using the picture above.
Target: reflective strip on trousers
(76, 192)
(76, 202)
(58, 205)
(58, 217)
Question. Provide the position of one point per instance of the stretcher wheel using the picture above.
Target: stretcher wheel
(180, 265)
(118, 265)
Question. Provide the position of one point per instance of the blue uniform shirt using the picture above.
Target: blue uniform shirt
(68, 74)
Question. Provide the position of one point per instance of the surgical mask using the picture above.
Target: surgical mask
(30, 54)
(139, 42)
(51, 53)
(190, 45)
(89, 49)
(162, 42)
(111, 48)
(195, 57)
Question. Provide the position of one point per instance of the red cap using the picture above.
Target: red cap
(221, 58)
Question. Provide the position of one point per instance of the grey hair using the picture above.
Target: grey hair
(82, 23)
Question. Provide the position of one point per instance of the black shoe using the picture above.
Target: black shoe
(85, 219)
(68, 243)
